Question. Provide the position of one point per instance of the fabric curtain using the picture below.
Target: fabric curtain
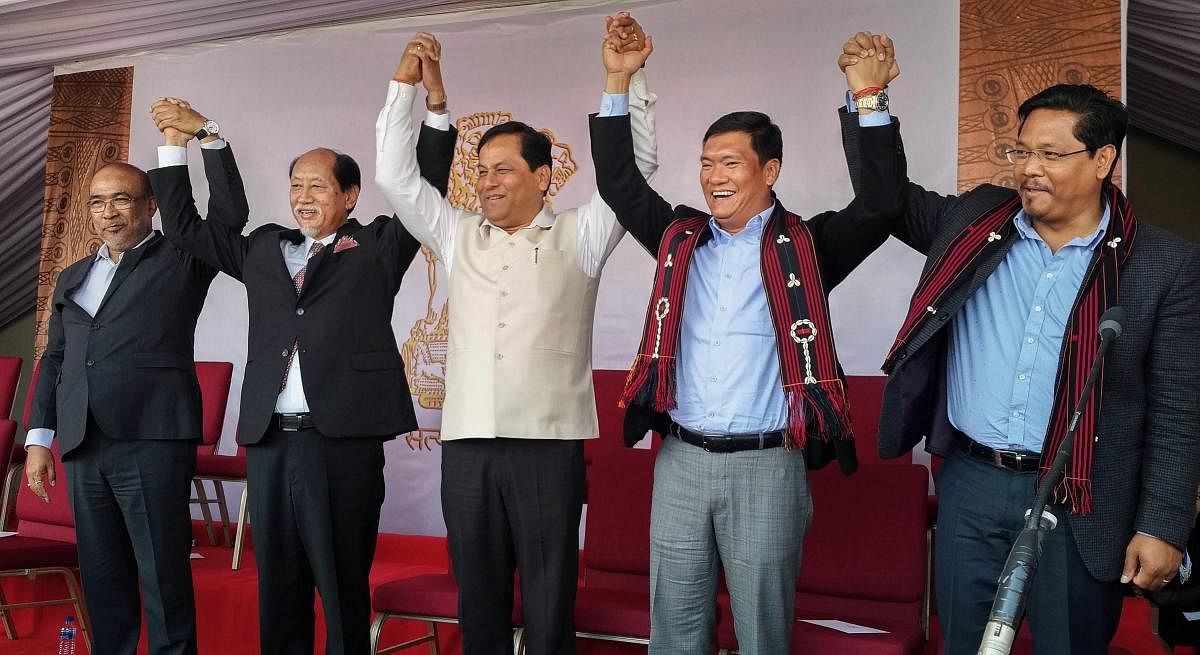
(1163, 56)
(24, 118)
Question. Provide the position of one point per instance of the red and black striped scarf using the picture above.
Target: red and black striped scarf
(812, 381)
(957, 264)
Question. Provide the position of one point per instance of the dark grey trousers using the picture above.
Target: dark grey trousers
(132, 522)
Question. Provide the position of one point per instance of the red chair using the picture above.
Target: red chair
(44, 545)
(214, 378)
(10, 376)
(16, 459)
(432, 599)
(613, 600)
(8, 437)
(865, 561)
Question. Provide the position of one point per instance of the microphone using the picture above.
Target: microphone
(1111, 323)
(1017, 576)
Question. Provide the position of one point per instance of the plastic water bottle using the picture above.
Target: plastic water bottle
(66, 637)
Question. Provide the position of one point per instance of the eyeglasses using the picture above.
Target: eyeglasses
(119, 203)
(1018, 156)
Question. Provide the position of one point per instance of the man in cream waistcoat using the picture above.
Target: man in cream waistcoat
(519, 398)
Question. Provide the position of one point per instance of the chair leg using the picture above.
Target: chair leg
(224, 511)
(518, 640)
(6, 618)
(202, 498)
(241, 530)
(376, 630)
(8, 496)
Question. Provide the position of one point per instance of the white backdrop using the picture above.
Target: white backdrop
(277, 96)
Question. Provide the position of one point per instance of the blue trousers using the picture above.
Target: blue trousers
(981, 510)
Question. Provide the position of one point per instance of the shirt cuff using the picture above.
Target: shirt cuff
(614, 104)
(171, 156)
(438, 121)
(39, 437)
(873, 119)
(215, 144)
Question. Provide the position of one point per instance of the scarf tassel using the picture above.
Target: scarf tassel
(822, 407)
(651, 383)
(1075, 493)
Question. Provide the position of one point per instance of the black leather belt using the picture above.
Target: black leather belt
(728, 443)
(294, 422)
(1013, 460)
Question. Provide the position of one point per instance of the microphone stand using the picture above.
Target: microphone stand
(1008, 609)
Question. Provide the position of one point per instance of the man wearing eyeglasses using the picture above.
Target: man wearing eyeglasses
(117, 387)
(992, 357)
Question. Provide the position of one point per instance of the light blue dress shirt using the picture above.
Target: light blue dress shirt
(727, 372)
(1005, 343)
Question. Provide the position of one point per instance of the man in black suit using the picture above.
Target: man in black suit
(324, 385)
(117, 386)
(990, 362)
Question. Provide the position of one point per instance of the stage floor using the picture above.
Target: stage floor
(227, 606)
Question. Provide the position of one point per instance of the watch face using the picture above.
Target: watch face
(211, 127)
(881, 101)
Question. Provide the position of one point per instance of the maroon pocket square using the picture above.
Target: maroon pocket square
(345, 243)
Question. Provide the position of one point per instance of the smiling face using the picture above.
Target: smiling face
(510, 192)
(121, 229)
(1065, 190)
(736, 185)
(319, 203)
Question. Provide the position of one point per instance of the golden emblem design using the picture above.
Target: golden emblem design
(424, 351)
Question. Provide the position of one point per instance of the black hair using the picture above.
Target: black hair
(765, 137)
(345, 170)
(1101, 119)
(535, 146)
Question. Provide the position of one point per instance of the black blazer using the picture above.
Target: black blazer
(354, 378)
(1146, 464)
(843, 238)
(131, 365)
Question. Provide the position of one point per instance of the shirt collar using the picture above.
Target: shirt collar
(544, 220)
(753, 228)
(1026, 231)
(325, 241)
(103, 252)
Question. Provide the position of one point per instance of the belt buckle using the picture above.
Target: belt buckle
(998, 458)
(706, 443)
(289, 422)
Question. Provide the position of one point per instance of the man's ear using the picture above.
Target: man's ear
(1105, 157)
(771, 171)
(352, 197)
(542, 175)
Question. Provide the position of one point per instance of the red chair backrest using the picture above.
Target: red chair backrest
(8, 434)
(10, 376)
(865, 393)
(609, 385)
(616, 542)
(53, 520)
(33, 378)
(867, 539)
(214, 380)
